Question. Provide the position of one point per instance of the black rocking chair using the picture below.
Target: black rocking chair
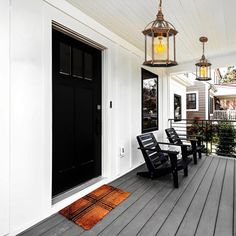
(186, 150)
(160, 162)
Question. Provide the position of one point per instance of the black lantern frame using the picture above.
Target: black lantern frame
(203, 67)
(160, 42)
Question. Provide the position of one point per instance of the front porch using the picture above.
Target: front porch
(204, 204)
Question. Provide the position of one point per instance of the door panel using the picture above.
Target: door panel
(65, 58)
(84, 125)
(88, 66)
(63, 138)
(76, 120)
(77, 66)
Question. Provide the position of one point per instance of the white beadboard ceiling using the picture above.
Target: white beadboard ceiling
(192, 18)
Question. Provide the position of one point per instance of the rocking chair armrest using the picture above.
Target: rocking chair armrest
(180, 145)
(160, 151)
(177, 138)
(189, 139)
(196, 136)
(147, 149)
(169, 152)
(199, 138)
(193, 140)
(182, 138)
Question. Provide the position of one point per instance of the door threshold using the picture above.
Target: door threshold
(76, 189)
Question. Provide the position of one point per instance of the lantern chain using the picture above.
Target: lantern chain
(203, 48)
(160, 4)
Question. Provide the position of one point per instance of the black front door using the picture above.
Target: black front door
(76, 112)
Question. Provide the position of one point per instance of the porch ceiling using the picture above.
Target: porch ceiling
(192, 18)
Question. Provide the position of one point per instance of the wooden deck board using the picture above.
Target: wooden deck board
(206, 224)
(158, 219)
(193, 213)
(133, 226)
(224, 222)
(204, 204)
(115, 227)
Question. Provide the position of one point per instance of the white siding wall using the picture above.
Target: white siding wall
(31, 106)
(4, 117)
(27, 113)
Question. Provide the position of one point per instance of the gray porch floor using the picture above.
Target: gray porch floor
(204, 204)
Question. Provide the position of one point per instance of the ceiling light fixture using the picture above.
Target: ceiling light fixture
(203, 67)
(160, 49)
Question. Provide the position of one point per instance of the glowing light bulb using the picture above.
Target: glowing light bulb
(203, 71)
(160, 47)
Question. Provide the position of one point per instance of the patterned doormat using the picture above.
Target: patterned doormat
(90, 209)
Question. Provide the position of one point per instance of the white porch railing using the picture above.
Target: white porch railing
(224, 115)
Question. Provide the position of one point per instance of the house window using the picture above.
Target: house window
(192, 101)
(149, 101)
(177, 107)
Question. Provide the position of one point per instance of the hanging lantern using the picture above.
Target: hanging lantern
(160, 49)
(203, 67)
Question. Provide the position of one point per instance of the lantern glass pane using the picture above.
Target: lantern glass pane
(209, 72)
(149, 47)
(203, 72)
(171, 48)
(160, 48)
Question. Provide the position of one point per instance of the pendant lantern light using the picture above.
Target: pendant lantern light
(203, 67)
(160, 48)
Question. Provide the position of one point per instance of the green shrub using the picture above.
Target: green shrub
(226, 140)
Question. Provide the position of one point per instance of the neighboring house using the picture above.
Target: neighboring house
(224, 102)
(197, 100)
(207, 101)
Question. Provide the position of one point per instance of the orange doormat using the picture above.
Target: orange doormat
(91, 208)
